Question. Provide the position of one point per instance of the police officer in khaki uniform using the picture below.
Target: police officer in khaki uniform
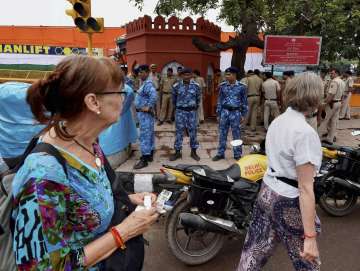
(166, 84)
(254, 85)
(155, 77)
(332, 106)
(314, 118)
(271, 89)
(198, 79)
(345, 105)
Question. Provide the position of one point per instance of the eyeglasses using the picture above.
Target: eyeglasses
(123, 94)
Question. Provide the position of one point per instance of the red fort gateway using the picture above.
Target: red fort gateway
(169, 44)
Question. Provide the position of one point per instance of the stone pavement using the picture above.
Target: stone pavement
(208, 139)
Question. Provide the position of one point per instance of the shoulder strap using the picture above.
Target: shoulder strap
(109, 171)
(27, 151)
(50, 149)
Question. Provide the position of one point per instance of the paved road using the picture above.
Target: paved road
(339, 242)
(339, 248)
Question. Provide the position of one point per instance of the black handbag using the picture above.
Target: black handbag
(132, 258)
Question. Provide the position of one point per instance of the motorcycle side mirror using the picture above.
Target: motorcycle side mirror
(255, 148)
(236, 143)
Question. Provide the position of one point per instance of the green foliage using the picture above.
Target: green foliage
(337, 21)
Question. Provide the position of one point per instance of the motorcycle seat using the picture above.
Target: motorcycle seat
(233, 172)
(244, 186)
(186, 167)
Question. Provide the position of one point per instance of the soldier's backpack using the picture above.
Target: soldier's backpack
(7, 259)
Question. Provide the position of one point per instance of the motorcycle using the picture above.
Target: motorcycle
(341, 180)
(215, 205)
(207, 205)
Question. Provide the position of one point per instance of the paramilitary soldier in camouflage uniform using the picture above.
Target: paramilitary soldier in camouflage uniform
(232, 108)
(186, 99)
(145, 103)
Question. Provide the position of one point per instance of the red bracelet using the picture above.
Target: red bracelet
(117, 237)
(309, 236)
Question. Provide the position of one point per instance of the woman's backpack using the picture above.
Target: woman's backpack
(7, 262)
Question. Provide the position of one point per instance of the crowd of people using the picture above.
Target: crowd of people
(255, 99)
(75, 218)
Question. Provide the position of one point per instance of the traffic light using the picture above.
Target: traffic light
(81, 14)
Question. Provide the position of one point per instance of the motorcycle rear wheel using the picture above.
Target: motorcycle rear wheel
(338, 201)
(176, 233)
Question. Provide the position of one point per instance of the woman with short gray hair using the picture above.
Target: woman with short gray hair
(285, 208)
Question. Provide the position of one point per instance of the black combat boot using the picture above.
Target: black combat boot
(218, 157)
(175, 156)
(194, 155)
(150, 157)
(143, 162)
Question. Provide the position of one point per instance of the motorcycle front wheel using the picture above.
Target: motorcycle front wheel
(192, 247)
(337, 200)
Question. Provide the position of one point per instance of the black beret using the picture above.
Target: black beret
(143, 67)
(232, 70)
(186, 70)
(286, 73)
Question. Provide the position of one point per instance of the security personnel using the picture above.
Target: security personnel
(198, 79)
(271, 89)
(186, 99)
(254, 84)
(145, 103)
(345, 105)
(166, 84)
(332, 106)
(232, 107)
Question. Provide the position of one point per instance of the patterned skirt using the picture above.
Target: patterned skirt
(275, 219)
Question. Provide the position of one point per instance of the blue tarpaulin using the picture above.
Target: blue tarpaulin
(17, 125)
(118, 136)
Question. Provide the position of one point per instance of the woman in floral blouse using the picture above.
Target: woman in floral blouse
(62, 219)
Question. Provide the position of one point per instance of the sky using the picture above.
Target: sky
(52, 12)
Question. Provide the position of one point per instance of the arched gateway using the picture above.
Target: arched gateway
(170, 43)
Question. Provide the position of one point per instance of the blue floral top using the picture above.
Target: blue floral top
(57, 215)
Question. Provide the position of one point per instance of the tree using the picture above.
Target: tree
(337, 21)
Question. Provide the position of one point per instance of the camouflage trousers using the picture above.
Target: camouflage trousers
(147, 134)
(185, 120)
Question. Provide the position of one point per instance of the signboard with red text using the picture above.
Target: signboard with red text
(292, 50)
